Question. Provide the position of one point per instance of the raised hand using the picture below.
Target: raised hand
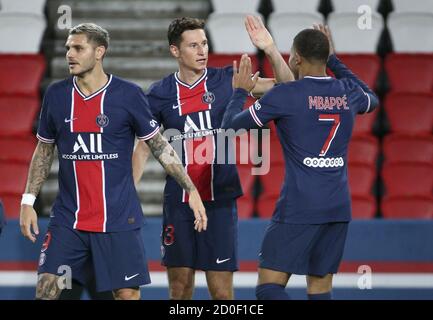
(325, 30)
(258, 33)
(242, 76)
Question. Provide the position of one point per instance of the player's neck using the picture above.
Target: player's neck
(312, 71)
(189, 76)
(92, 81)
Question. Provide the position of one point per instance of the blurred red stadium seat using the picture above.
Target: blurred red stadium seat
(408, 179)
(271, 187)
(365, 66)
(17, 150)
(245, 146)
(363, 207)
(400, 148)
(410, 113)
(245, 206)
(410, 72)
(361, 179)
(12, 205)
(363, 149)
(17, 115)
(218, 60)
(407, 207)
(14, 177)
(364, 123)
(21, 74)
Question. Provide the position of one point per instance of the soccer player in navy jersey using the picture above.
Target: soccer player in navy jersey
(190, 104)
(314, 116)
(93, 119)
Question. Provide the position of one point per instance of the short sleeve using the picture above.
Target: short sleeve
(270, 107)
(46, 128)
(145, 126)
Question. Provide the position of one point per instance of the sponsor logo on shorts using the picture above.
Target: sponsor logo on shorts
(324, 162)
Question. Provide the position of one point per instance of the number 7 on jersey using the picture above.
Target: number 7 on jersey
(336, 119)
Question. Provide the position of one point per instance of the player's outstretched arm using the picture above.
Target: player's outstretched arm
(168, 158)
(263, 40)
(139, 159)
(38, 173)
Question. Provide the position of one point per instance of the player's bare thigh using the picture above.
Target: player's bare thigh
(272, 276)
(317, 285)
(48, 287)
(180, 283)
(127, 294)
(220, 284)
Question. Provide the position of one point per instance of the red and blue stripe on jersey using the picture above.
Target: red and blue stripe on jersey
(91, 213)
(190, 100)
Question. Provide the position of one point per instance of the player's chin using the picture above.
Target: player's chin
(201, 64)
(74, 70)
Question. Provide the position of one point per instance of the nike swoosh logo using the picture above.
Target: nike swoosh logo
(221, 261)
(175, 106)
(129, 278)
(69, 120)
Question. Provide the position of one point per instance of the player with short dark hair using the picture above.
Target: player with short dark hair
(314, 117)
(93, 119)
(192, 102)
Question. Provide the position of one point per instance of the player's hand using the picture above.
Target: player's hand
(242, 76)
(258, 33)
(28, 221)
(196, 205)
(325, 30)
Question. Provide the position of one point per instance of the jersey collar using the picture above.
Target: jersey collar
(176, 76)
(74, 80)
(319, 78)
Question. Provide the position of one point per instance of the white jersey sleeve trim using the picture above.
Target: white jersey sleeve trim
(150, 135)
(44, 140)
(255, 117)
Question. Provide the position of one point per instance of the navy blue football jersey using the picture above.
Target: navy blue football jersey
(314, 117)
(95, 136)
(191, 116)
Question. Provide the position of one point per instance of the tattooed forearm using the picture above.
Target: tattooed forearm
(47, 287)
(39, 167)
(168, 158)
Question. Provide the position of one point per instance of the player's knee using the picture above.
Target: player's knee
(271, 291)
(181, 289)
(47, 287)
(319, 285)
(127, 294)
(222, 294)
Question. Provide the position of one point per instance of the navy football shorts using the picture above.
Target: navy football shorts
(212, 250)
(116, 259)
(304, 249)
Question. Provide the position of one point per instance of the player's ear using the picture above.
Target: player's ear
(174, 51)
(100, 52)
(298, 58)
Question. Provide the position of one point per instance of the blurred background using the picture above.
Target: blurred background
(387, 43)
